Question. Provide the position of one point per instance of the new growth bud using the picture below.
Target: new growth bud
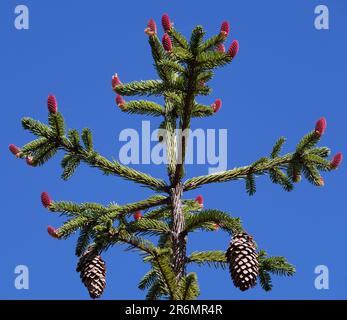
(233, 49)
(120, 101)
(52, 104)
(216, 105)
(224, 29)
(321, 126)
(166, 22)
(46, 199)
(151, 29)
(167, 42)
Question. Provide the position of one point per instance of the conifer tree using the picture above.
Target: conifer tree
(184, 68)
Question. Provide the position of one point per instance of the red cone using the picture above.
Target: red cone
(165, 21)
(151, 29)
(321, 182)
(46, 199)
(120, 101)
(200, 200)
(321, 125)
(336, 161)
(220, 48)
(29, 161)
(53, 232)
(14, 149)
(115, 81)
(167, 42)
(137, 215)
(52, 104)
(216, 105)
(224, 29)
(234, 49)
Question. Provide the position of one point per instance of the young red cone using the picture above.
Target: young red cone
(216, 105)
(120, 101)
(336, 161)
(321, 182)
(115, 81)
(233, 49)
(220, 48)
(166, 22)
(224, 29)
(53, 232)
(29, 161)
(46, 199)
(321, 125)
(52, 104)
(200, 200)
(167, 42)
(137, 215)
(151, 29)
(215, 226)
(14, 149)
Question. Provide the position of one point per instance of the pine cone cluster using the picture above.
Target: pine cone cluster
(242, 259)
(93, 272)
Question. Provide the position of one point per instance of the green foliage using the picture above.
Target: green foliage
(272, 265)
(158, 213)
(277, 147)
(73, 225)
(279, 177)
(69, 163)
(155, 291)
(37, 128)
(212, 42)
(83, 240)
(210, 258)
(87, 139)
(250, 184)
(146, 226)
(188, 287)
(196, 39)
(307, 142)
(44, 153)
(171, 65)
(181, 54)
(57, 124)
(206, 218)
(178, 39)
(158, 54)
(201, 111)
(148, 280)
(143, 107)
(166, 276)
(212, 59)
(34, 145)
(141, 88)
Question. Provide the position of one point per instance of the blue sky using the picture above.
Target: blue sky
(286, 76)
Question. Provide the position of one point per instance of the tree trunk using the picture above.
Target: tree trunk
(178, 239)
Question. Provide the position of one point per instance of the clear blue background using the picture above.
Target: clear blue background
(286, 76)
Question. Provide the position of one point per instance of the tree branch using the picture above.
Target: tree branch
(237, 173)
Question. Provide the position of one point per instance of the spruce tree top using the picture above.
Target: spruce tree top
(184, 68)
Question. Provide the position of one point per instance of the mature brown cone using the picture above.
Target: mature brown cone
(93, 272)
(242, 259)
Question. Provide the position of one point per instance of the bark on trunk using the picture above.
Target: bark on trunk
(178, 239)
